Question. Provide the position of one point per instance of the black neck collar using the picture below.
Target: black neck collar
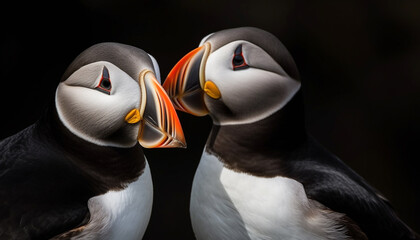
(106, 167)
(259, 148)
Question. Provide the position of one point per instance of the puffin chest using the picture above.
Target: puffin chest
(121, 214)
(226, 204)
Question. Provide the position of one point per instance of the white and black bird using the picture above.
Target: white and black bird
(79, 172)
(261, 176)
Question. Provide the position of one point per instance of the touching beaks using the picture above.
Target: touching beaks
(159, 123)
(186, 83)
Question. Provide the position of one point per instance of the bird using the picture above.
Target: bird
(79, 172)
(261, 174)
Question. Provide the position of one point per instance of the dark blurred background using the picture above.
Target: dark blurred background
(359, 62)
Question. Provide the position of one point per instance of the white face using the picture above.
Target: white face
(95, 110)
(248, 94)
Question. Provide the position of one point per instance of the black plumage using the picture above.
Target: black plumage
(280, 146)
(47, 175)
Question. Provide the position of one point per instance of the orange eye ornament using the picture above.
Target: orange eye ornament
(105, 85)
(238, 60)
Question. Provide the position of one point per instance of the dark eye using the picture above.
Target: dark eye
(238, 61)
(105, 82)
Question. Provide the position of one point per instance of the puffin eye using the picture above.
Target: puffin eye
(238, 61)
(105, 82)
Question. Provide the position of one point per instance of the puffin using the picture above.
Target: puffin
(261, 174)
(79, 171)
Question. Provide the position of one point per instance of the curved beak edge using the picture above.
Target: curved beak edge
(185, 82)
(160, 126)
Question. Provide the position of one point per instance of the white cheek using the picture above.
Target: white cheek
(96, 116)
(250, 94)
(86, 74)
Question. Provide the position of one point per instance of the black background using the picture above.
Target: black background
(358, 60)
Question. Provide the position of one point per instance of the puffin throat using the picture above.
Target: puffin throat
(258, 147)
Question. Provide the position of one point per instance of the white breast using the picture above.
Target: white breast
(121, 214)
(230, 205)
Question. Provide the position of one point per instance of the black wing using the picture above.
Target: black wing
(341, 189)
(41, 194)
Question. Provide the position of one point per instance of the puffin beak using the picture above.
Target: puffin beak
(159, 123)
(185, 83)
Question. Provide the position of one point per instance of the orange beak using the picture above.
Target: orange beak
(186, 81)
(159, 123)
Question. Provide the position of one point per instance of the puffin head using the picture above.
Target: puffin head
(111, 95)
(237, 76)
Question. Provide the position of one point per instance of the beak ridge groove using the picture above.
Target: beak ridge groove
(185, 82)
(160, 126)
